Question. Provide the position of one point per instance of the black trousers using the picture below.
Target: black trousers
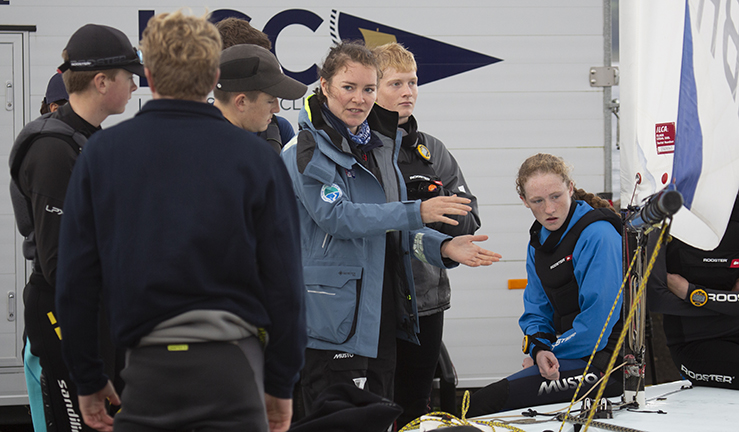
(61, 407)
(323, 367)
(711, 363)
(415, 369)
(203, 387)
(528, 388)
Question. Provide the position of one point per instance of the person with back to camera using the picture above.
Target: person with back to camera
(358, 231)
(697, 293)
(429, 170)
(574, 276)
(56, 95)
(235, 31)
(99, 64)
(186, 226)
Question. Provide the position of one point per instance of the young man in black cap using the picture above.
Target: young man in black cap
(250, 83)
(186, 227)
(99, 63)
(236, 31)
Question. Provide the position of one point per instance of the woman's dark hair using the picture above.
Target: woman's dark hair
(339, 56)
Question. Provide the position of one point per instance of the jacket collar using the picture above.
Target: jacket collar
(66, 114)
(181, 106)
(380, 121)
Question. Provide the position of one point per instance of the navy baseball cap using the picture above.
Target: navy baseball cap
(56, 90)
(98, 47)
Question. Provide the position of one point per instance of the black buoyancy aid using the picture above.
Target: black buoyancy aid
(554, 267)
(272, 135)
(44, 126)
(715, 269)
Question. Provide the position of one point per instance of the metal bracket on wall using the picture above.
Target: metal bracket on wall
(604, 76)
(8, 96)
(11, 306)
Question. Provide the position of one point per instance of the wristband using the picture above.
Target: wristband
(530, 340)
(698, 297)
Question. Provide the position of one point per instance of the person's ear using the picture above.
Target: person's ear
(100, 82)
(523, 199)
(239, 101)
(149, 78)
(218, 76)
(324, 87)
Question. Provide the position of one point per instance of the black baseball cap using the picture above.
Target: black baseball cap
(98, 47)
(250, 67)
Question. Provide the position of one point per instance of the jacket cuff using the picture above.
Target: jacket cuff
(426, 246)
(413, 211)
(85, 389)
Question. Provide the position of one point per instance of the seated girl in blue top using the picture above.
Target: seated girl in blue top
(574, 275)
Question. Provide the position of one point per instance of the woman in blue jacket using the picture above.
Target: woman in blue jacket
(574, 275)
(358, 230)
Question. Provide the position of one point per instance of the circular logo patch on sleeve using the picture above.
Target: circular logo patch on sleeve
(331, 193)
(698, 297)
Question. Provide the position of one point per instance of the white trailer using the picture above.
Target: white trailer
(500, 80)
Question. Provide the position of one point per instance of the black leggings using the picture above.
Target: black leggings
(416, 367)
(528, 388)
(61, 406)
(711, 363)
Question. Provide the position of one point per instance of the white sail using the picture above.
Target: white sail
(680, 114)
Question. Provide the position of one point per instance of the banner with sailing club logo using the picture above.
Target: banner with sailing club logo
(680, 114)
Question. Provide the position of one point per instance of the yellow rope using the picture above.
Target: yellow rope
(447, 419)
(595, 348)
(627, 324)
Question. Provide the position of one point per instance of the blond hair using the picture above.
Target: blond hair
(182, 54)
(396, 56)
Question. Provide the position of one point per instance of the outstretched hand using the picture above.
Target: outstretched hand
(94, 411)
(435, 209)
(463, 250)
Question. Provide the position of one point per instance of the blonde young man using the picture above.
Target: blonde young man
(250, 83)
(99, 63)
(429, 170)
(191, 239)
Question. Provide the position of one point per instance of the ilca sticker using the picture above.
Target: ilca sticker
(331, 193)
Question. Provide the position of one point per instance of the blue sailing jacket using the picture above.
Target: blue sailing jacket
(598, 270)
(345, 213)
